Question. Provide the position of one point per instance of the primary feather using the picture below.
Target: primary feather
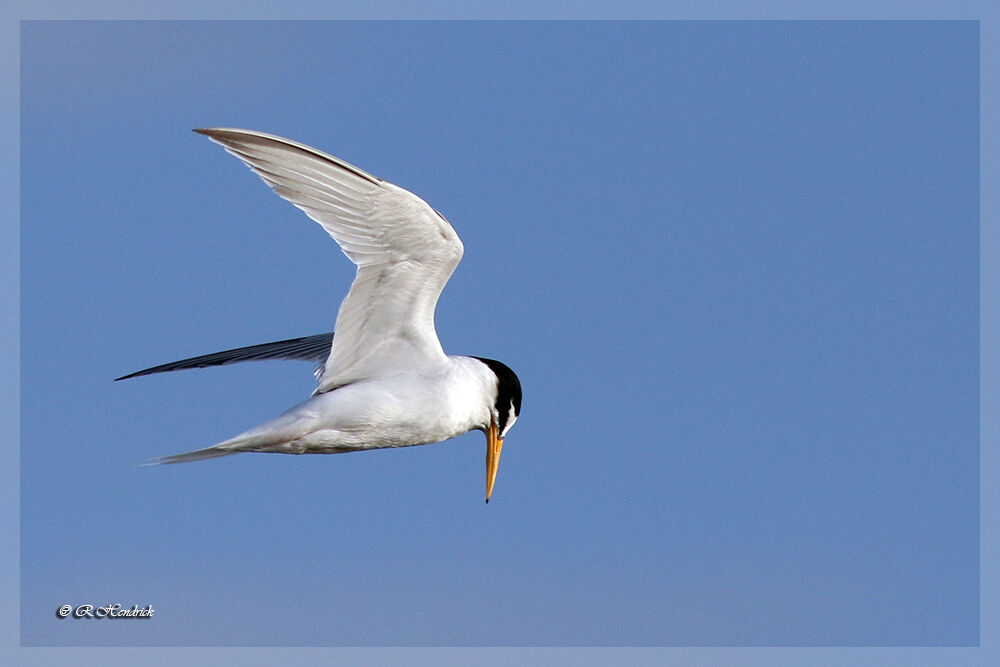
(308, 348)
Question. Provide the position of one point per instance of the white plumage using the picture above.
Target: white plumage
(404, 250)
(386, 381)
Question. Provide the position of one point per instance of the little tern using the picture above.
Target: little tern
(383, 378)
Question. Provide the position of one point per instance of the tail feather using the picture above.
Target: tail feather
(278, 435)
(196, 455)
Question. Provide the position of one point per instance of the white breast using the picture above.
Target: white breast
(396, 411)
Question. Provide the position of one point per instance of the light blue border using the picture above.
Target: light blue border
(985, 12)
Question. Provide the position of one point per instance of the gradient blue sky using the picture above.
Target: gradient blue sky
(734, 264)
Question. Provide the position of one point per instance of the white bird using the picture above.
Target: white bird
(385, 381)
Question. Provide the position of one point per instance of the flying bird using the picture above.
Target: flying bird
(383, 378)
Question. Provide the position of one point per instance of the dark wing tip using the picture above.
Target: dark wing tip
(224, 135)
(150, 371)
(221, 131)
(308, 348)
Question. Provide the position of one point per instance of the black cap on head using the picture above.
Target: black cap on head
(508, 391)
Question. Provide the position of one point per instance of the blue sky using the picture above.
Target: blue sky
(734, 264)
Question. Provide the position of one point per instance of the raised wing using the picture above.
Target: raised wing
(404, 250)
(308, 348)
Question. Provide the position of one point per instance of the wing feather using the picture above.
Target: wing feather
(309, 348)
(404, 250)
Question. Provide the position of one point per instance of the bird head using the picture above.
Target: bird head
(503, 414)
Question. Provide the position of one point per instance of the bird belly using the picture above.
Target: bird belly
(371, 415)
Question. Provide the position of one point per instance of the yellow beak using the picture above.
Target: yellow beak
(494, 443)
